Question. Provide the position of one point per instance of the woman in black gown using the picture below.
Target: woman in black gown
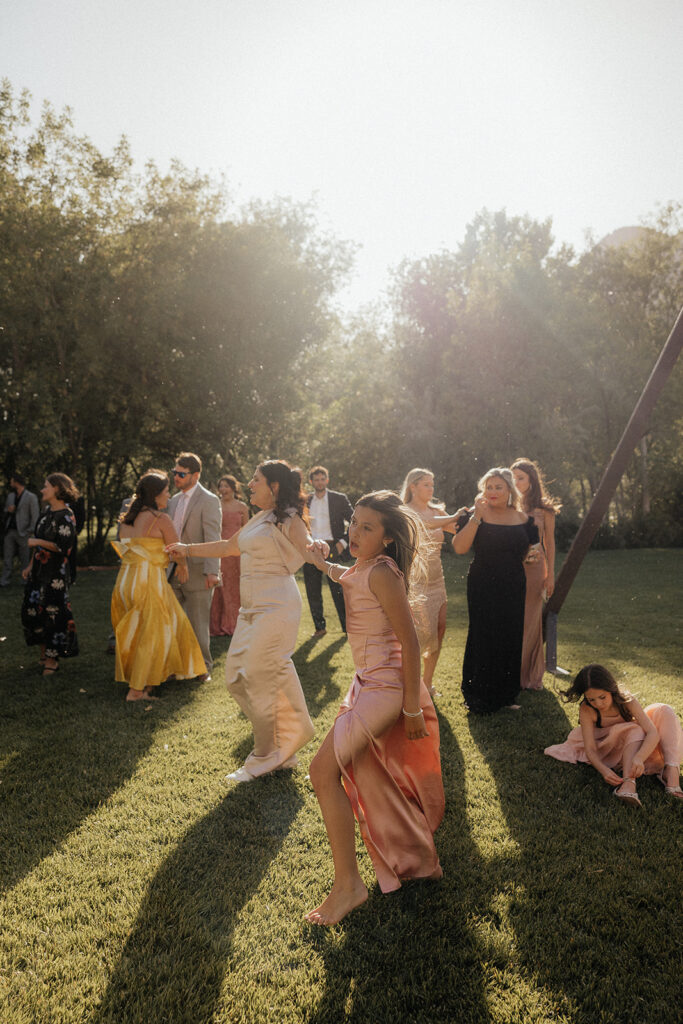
(502, 538)
(46, 610)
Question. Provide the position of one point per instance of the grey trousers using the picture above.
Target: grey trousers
(197, 606)
(13, 545)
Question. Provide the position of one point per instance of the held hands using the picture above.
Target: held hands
(480, 505)
(318, 551)
(176, 550)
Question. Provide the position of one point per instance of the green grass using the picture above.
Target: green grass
(137, 888)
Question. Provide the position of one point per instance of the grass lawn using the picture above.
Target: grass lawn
(136, 887)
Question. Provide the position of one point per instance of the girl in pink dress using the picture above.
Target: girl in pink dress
(380, 761)
(225, 604)
(615, 732)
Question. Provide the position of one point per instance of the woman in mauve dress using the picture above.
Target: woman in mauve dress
(225, 604)
(380, 761)
(540, 575)
(616, 735)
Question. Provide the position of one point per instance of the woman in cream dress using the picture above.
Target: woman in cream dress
(430, 614)
(154, 638)
(259, 670)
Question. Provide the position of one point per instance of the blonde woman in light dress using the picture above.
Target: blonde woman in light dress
(417, 493)
(540, 575)
(259, 670)
(153, 636)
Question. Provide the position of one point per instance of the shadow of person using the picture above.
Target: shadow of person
(582, 885)
(174, 961)
(317, 674)
(64, 754)
(412, 955)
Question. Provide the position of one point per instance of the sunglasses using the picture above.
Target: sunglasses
(182, 473)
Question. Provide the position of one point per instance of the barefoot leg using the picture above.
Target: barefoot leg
(348, 890)
(431, 659)
(135, 695)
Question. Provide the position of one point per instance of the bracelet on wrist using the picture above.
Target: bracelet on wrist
(412, 714)
(476, 520)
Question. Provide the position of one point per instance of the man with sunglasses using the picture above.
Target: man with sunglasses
(196, 515)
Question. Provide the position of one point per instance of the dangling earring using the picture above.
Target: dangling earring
(510, 502)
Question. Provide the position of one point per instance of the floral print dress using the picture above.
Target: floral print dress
(46, 610)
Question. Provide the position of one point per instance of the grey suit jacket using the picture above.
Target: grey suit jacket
(27, 513)
(202, 524)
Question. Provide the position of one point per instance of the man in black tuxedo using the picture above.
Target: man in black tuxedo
(330, 512)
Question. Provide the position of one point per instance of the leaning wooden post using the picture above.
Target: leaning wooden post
(635, 429)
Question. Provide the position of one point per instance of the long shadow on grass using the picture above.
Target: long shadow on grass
(317, 673)
(590, 894)
(64, 754)
(173, 963)
(411, 956)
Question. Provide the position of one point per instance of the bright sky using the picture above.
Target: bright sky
(402, 117)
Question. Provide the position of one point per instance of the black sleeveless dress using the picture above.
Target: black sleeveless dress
(496, 590)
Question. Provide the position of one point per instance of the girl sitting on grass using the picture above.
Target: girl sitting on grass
(380, 761)
(615, 732)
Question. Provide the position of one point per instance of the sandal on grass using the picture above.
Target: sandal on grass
(628, 798)
(669, 790)
(50, 670)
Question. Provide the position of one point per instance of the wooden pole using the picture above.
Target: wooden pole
(635, 428)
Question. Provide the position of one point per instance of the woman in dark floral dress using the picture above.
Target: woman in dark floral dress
(46, 611)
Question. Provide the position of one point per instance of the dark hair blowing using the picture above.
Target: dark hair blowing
(597, 677)
(536, 496)
(149, 486)
(65, 487)
(289, 494)
(404, 527)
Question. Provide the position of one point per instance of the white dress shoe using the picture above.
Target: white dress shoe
(241, 775)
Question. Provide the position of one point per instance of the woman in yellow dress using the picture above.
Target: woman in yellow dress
(154, 638)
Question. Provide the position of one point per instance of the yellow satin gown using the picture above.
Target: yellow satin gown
(154, 638)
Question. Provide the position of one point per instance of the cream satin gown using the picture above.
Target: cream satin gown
(259, 670)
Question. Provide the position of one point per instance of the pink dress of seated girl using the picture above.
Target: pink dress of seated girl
(615, 733)
(225, 605)
(393, 783)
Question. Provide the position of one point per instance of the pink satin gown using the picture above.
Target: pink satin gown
(616, 733)
(394, 784)
(225, 605)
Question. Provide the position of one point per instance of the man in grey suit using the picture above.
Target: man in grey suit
(21, 515)
(196, 515)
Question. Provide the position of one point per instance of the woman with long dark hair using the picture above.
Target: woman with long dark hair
(225, 603)
(259, 669)
(46, 610)
(154, 638)
(619, 738)
(540, 575)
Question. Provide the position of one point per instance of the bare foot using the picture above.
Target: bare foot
(149, 692)
(136, 695)
(338, 904)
